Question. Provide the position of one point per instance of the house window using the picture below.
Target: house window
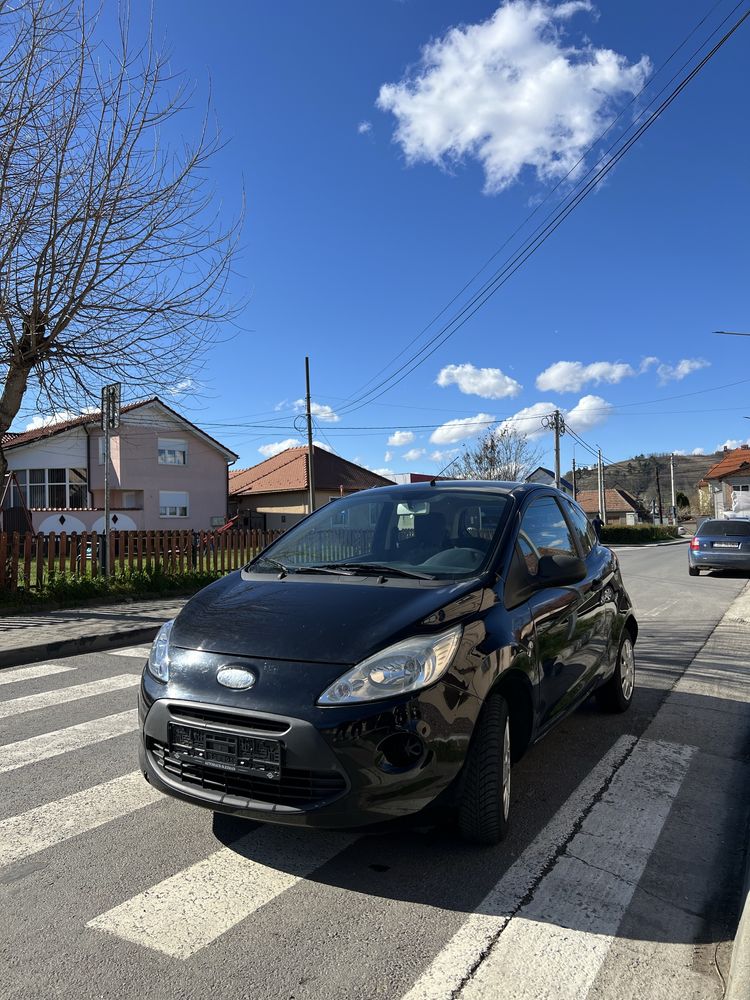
(18, 499)
(173, 504)
(57, 488)
(37, 488)
(172, 452)
(77, 489)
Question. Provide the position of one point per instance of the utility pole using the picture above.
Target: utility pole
(658, 492)
(575, 484)
(602, 493)
(110, 421)
(556, 423)
(674, 496)
(310, 457)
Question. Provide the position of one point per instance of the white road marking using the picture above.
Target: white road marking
(47, 699)
(188, 911)
(51, 824)
(138, 652)
(39, 748)
(31, 673)
(462, 953)
(553, 947)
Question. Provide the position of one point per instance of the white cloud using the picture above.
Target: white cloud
(320, 410)
(388, 457)
(588, 412)
(647, 363)
(528, 421)
(400, 438)
(675, 373)
(445, 455)
(572, 376)
(282, 405)
(510, 92)
(458, 430)
(275, 447)
(325, 447)
(731, 444)
(489, 383)
(413, 454)
(183, 386)
(697, 451)
(56, 418)
(386, 473)
(364, 127)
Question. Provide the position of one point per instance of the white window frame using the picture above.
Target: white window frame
(26, 489)
(176, 445)
(170, 500)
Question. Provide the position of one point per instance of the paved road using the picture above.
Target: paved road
(620, 878)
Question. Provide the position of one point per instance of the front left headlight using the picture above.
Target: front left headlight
(158, 658)
(407, 666)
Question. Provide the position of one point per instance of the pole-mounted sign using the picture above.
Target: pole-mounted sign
(110, 422)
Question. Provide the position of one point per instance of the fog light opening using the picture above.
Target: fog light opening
(401, 751)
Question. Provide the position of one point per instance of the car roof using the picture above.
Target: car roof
(517, 490)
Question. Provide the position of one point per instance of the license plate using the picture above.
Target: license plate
(226, 751)
(726, 545)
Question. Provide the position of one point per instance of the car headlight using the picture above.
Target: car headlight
(406, 666)
(158, 658)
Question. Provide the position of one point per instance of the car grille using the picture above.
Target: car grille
(252, 723)
(297, 788)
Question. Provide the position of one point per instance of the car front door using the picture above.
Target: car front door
(555, 611)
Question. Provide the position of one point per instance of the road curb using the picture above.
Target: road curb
(96, 643)
(646, 545)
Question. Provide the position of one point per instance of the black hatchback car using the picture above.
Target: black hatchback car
(396, 650)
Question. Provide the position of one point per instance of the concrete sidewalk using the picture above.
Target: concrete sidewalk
(45, 635)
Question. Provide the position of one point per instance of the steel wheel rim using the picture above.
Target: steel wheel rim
(627, 669)
(506, 769)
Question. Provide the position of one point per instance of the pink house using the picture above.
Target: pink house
(165, 473)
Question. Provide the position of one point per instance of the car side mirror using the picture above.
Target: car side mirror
(560, 570)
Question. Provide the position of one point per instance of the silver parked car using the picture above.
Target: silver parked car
(720, 545)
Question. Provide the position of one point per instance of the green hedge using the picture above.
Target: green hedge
(637, 534)
(69, 591)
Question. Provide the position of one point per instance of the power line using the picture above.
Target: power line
(536, 240)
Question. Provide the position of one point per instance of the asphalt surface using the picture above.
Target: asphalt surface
(621, 877)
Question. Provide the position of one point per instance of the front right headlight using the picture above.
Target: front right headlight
(158, 658)
(407, 666)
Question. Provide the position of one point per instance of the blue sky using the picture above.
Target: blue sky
(369, 208)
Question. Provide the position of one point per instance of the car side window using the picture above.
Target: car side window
(544, 532)
(582, 528)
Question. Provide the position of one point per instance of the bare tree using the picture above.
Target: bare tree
(113, 263)
(503, 454)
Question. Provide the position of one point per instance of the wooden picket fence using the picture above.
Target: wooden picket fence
(30, 560)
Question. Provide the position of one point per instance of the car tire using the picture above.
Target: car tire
(694, 571)
(617, 694)
(484, 804)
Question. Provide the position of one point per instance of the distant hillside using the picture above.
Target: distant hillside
(638, 476)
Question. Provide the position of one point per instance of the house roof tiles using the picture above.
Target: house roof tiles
(732, 462)
(287, 471)
(617, 500)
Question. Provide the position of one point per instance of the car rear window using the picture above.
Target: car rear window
(725, 528)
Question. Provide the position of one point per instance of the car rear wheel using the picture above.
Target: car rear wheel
(617, 694)
(484, 805)
(694, 571)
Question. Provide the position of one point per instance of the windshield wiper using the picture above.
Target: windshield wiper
(374, 568)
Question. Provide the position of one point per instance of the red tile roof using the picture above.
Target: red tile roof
(287, 471)
(15, 439)
(618, 501)
(731, 463)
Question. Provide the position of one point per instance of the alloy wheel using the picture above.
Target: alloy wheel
(627, 668)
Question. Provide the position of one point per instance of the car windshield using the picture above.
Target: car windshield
(728, 527)
(429, 533)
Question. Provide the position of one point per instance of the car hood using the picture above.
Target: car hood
(316, 619)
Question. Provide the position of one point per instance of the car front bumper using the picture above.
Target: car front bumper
(364, 766)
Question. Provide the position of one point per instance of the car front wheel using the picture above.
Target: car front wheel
(617, 694)
(484, 805)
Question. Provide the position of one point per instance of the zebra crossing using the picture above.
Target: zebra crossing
(562, 898)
